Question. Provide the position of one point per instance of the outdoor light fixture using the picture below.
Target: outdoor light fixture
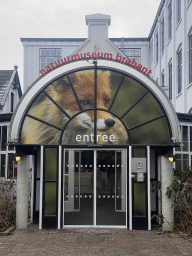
(17, 158)
(172, 158)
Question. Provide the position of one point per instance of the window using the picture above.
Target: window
(151, 52)
(170, 20)
(170, 81)
(3, 137)
(6, 155)
(183, 154)
(162, 34)
(190, 58)
(179, 70)
(163, 79)
(178, 10)
(157, 47)
(12, 102)
(133, 53)
(48, 55)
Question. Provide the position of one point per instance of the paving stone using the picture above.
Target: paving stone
(87, 242)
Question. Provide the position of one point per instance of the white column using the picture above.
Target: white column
(59, 190)
(166, 180)
(130, 187)
(149, 187)
(22, 193)
(32, 186)
(41, 191)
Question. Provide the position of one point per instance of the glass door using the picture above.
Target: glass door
(78, 187)
(94, 193)
(111, 188)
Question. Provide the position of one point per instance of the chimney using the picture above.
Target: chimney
(98, 26)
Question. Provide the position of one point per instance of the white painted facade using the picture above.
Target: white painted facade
(181, 30)
(98, 32)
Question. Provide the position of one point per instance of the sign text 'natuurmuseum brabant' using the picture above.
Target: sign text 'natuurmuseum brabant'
(94, 55)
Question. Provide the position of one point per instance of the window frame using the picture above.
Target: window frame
(170, 68)
(55, 57)
(170, 20)
(134, 56)
(178, 11)
(156, 47)
(190, 58)
(179, 70)
(162, 34)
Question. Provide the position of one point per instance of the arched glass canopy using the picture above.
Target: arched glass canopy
(95, 105)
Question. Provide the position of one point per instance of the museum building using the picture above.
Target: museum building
(99, 128)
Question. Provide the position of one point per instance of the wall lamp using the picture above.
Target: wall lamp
(172, 158)
(17, 158)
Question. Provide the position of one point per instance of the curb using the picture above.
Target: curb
(7, 232)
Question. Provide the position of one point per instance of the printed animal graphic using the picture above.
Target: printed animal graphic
(65, 96)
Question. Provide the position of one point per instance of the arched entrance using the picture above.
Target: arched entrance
(79, 115)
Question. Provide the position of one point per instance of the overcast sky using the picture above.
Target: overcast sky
(66, 18)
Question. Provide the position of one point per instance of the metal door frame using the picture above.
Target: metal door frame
(95, 188)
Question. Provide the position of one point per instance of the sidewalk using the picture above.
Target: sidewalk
(89, 242)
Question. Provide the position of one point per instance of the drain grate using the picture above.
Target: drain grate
(90, 239)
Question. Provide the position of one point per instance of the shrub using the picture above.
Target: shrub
(7, 205)
(181, 189)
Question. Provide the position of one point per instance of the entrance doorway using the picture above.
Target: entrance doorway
(95, 188)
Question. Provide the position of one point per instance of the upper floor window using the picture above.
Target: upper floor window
(162, 34)
(178, 10)
(170, 81)
(190, 58)
(157, 53)
(151, 52)
(48, 55)
(3, 137)
(163, 79)
(12, 102)
(133, 53)
(170, 19)
(179, 69)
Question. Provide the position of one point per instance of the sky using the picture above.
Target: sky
(66, 19)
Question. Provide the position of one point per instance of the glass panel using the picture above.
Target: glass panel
(77, 182)
(50, 207)
(10, 173)
(185, 138)
(62, 93)
(66, 188)
(84, 85)
(38, 164)
(78, 187)
(158, 131)
(128, 95)
(139, 199)
(37, 195)
(182, 162)
(152, 164)
(3, 166)
(153, 199)
(191, 138)
(4, 138)
(35, 132)
(142, 112)
(111, 187)
(80, 130)
(50, 163)
(115, 80)
(44, 109)
(110, 130)
(139, 152)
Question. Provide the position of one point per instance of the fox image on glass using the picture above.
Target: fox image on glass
(73, 94)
